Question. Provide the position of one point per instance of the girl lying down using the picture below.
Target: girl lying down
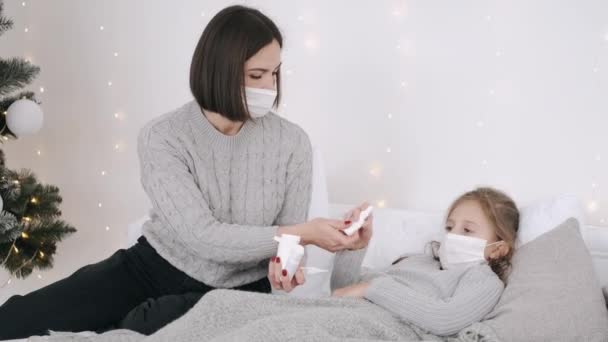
(440, 293)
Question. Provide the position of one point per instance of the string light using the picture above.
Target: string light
(16, 181)
(38, 152)
(101, 28)
(592, 206)
(16, 249)
(109, 83)
(99, 204)
(42, 89)
(375, 171)
(34, 200)
(27, 219)
(389, 116)
(388, 150)
(115, 54)
(41, 254)
(202, 14)
(39, 276)
(24, 235)
(27, 30)
(311, 43)
(403, 84)
(23, 4)
(117, 147)
(103, 173)
(107, 227)
(381, 204)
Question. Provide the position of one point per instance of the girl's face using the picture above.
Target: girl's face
(261, 69)
(468, 219)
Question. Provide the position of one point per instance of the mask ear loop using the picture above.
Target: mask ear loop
(493, 243)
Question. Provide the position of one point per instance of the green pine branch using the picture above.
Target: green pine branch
(16, 73)
(5, 23)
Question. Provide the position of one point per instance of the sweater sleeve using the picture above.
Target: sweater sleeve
(181, 207)
(298, 184)
(475, 296)
(347, 268)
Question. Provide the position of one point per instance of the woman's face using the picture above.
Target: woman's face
(261, 69)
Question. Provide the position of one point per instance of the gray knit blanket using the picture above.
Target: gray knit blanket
(228, 315)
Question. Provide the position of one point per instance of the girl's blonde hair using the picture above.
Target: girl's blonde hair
(502, 212)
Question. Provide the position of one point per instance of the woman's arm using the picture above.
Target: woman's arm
(476, 294)
(179, 203)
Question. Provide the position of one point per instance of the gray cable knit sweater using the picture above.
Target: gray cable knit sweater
(218, 200)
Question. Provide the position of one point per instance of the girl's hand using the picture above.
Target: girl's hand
(356, 291)
(366, 231)
(278, 277)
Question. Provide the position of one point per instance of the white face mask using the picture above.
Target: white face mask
(259, 101)
(459, 250)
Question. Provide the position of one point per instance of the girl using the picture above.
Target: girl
(225, 176)
(463, 277)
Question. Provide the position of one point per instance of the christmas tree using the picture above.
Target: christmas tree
(30, 227)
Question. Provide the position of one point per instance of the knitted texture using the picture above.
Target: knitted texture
(218, 200)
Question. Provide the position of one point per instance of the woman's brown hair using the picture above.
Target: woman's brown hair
(233, 36)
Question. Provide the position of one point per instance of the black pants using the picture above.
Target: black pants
(133, 289)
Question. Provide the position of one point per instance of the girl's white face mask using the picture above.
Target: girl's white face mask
(459, 250)
(259, 101)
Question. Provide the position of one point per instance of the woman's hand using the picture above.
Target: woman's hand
(278, 276)
(326, 234)
(366, 231)
(357, 291)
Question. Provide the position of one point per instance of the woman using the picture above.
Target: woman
(225, 176)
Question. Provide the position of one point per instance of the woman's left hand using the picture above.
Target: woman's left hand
(357, 291)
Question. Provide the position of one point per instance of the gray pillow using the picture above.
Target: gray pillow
(552, 293)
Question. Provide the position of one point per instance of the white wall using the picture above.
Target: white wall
(504, 93)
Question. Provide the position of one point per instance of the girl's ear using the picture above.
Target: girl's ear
(500, 250)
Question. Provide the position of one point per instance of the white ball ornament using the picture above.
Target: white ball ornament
(24, 117)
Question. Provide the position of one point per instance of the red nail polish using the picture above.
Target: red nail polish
(273, 259)
(278, 260)
(346, 222)
(284, 273)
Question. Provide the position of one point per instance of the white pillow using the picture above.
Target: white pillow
(540, 217)
(400, 232)
(404, 232)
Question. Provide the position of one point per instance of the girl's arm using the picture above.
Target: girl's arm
(476, 294)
